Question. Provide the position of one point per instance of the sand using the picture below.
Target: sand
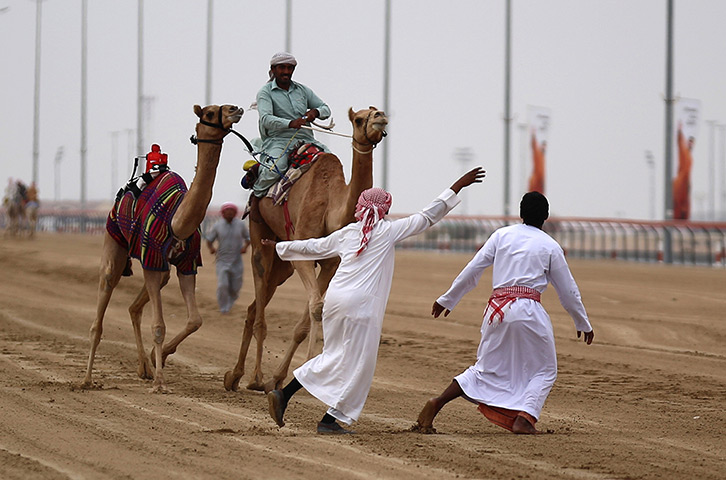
(644, 401)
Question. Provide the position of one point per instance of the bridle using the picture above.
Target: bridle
(365, 134)
(220, 126)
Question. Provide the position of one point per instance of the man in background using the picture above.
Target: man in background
(232, 237)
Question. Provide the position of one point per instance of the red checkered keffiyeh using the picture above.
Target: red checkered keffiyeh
(501, 297)
(373, 204)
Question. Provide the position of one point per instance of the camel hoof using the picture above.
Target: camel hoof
(231, 382)
(89, 385)
(162, 389)
(258, 386)
(144, 371)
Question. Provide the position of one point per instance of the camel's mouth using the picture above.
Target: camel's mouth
(379, 125)
(236, 116)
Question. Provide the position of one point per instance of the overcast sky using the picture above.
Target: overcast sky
(598, 65)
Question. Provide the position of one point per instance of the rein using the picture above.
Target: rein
(220, 126)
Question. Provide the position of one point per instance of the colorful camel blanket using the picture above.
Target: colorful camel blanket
(143, 226)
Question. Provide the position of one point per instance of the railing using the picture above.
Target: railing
(693, 243)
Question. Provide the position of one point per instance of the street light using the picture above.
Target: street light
(36, 90)
(651, 165)
(56, 172)
(711, 214)
(722, 130)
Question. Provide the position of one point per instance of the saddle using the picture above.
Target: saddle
(137, 184)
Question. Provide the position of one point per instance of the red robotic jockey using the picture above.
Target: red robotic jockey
(155, 157)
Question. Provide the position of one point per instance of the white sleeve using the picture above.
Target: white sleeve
(566, 288)
(469, 276)
(311, 249)
(419, 222)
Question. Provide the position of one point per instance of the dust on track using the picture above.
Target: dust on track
(644, 401)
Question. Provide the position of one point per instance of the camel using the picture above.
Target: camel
(14, 208)
(318, 204)
(214, 124)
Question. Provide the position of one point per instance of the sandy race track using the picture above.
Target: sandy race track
(646, 400)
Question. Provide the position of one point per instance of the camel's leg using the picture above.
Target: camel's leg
(232, 377)
(145, 367)
(306, 271)
(187, 285)
(261, 262)
(113, 261)
(327, 270)
(280, 272)
(268, 272)
(153, 281)
(33, 221)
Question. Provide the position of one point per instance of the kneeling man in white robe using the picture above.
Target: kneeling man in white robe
(516, 361)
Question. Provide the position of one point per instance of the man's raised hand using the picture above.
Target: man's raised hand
(475, 175)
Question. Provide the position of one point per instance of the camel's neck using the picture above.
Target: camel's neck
(361, 179)
(193, 207)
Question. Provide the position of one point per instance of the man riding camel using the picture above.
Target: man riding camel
(284, 107)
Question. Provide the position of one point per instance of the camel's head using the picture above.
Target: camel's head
(216, 116)
(369, 126)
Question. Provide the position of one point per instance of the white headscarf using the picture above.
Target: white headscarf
(283, 58)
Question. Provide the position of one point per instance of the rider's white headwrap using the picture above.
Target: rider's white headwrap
(283, 58)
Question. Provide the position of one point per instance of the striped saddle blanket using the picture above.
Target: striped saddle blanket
(142, 224)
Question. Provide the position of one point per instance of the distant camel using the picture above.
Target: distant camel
(14, 204)
(319, 203)
(158, 228)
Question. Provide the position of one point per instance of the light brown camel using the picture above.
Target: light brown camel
(181, 222)
(319, 203)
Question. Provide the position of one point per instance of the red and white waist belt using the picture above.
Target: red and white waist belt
(501, 297)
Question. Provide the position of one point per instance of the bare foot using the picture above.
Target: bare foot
(522, 426)
(426, 417)
(418, 428)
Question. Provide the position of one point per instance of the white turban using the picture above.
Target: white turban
(283, 58)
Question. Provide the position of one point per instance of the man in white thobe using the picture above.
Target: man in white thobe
(516, 361)
(355, 302)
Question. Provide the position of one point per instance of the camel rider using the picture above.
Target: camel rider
(31, 196)
(284, 106)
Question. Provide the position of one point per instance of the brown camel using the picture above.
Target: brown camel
(319, 203)
(180, 218)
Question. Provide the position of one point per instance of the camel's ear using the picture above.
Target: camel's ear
(198, 110)
(351, 113)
